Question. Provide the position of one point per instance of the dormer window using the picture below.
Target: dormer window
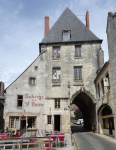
(66, 35)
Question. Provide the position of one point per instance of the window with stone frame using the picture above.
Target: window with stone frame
(107, 76)
(98, 90)
(32, 81)
(49, 119)
(56, 74)
(31, 122)
(19, 100)
(78, 73)
(14, 122)
(78, 51)
(102, 85)
(66, 35)
(56, 52)
(57, 103)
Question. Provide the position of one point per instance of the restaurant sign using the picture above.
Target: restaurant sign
(57, 112)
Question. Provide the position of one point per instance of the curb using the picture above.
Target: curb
(75, 142)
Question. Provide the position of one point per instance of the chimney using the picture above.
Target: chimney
(46, 26)
(87, 19)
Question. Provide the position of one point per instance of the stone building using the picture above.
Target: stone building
(1, 105)
(63, 74)
(105, 101)
(106, 83)
(111, 36)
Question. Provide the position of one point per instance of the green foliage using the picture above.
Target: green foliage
(73, 118)
(106, 105)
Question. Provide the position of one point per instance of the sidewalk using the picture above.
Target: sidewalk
(107, 137)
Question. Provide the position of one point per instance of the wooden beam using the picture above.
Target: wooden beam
(21, 114)
(108, 116)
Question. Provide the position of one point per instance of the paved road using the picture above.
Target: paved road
(91, 141)
(78, 128)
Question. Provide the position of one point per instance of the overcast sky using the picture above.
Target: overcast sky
(22, 29)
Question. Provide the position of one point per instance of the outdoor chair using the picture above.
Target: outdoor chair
(61, 139)
(47, 144)
(32, 140)
(54, 139)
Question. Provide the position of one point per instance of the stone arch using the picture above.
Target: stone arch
(87, 104)
(101, 117)
(83, 90)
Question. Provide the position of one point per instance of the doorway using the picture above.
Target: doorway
(57, 122)
(111, 125)
(23, 127)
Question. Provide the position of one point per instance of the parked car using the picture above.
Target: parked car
(74, 121)
(80, 121)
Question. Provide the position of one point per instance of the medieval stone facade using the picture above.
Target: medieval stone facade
(40, 98)
(105, 102)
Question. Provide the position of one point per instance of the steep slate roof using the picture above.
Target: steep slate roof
(69, 21)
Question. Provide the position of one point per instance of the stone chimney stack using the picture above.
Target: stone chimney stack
(1, 88)
(87, 19)
(46, 26)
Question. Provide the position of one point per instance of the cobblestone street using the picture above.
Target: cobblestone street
(91, 141)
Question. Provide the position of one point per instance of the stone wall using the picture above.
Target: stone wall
(111, 36)
(33, 95)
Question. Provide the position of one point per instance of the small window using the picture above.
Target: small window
(49, 119)
(14, 122)
(66, 35)
(32, 81)
(56, 52)
(77, 73)
(36, 67)
(56, 75)
(57, 103)
(78, 51)
(20, 100)
(108, 87)
(102, 85)
(98, 90)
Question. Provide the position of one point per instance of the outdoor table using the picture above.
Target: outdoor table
(47, 133)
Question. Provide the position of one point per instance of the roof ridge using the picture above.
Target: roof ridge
(23, 72)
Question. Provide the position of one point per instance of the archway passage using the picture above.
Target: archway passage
(87, 106)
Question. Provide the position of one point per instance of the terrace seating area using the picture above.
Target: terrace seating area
(29, 140)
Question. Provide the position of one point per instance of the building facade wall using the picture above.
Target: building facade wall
(33, 96)
(47, 90)
(111, 37)
(105, 98)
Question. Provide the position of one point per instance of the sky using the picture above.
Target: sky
(22, 29)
